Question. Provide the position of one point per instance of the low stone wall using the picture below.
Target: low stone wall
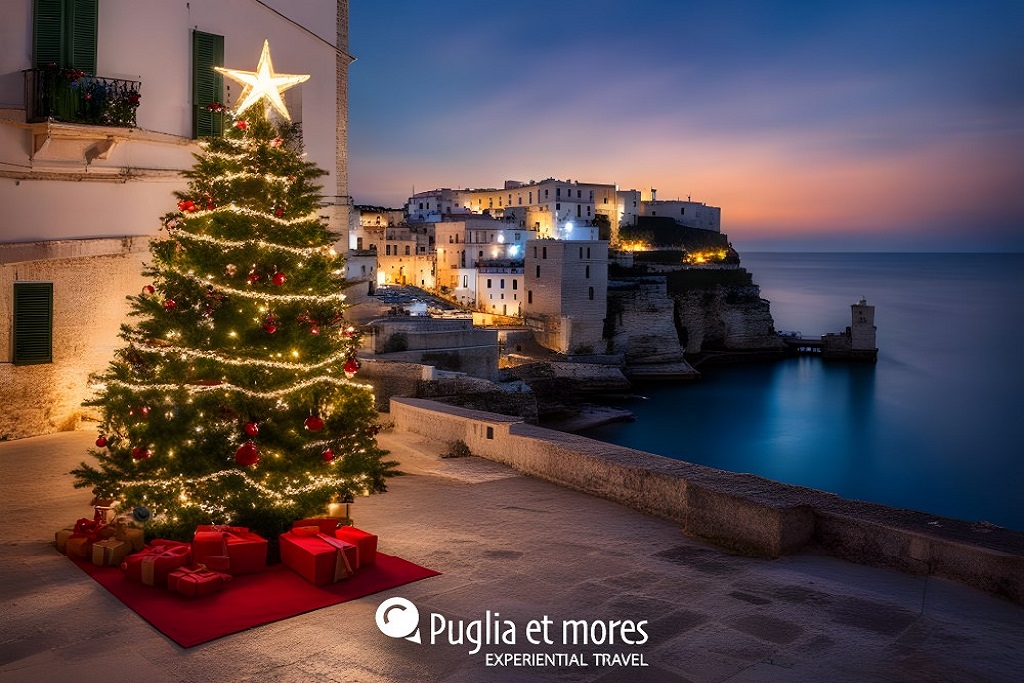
(742, 512)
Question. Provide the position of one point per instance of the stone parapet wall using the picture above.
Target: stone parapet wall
(743, 512)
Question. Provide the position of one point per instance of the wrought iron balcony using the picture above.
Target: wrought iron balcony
(71, 96)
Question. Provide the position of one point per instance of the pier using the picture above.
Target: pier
(856, 342)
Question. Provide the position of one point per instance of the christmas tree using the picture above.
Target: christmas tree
(234, 400)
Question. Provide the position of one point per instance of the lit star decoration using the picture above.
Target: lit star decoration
(263, 84)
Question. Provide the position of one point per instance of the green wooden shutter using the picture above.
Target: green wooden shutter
(64, 33)
(33, 323)
(48, 33)
(83, 20)
(207, 84)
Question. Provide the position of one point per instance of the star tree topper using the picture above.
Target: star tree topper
(263, 84)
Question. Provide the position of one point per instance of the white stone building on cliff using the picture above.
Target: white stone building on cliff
(100, 107)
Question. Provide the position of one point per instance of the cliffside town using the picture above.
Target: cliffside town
(582, 289)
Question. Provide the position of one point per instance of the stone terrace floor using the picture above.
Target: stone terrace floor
(515, 545)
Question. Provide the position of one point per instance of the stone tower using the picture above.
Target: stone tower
(339, 204)
(862, 329)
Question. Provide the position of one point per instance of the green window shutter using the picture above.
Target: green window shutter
(33, 323)
(47, 33)
(64, 33)
(207, 84)
(83, 20)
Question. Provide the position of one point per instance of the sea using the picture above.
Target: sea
(936, 425)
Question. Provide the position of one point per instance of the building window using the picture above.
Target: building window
(33, 323)
(545, 194)
(590, 293)
(544, 251)
(530, 200)
(581, 253)
(535, 252)
(490, 432)
(538, 271)
(488, 283)
(558, 192)
(501, 283)
(587, 275)
(682, 211)
(64, 34)
(407, 250)
(465, 281)
(588, 252)
(579, 194)
(515, 284)
(387, 249)
(207, 84)
(529, 296)
(558, 207)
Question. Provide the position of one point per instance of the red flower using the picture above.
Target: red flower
(241, 125)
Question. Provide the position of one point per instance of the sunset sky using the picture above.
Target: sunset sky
(894, 125)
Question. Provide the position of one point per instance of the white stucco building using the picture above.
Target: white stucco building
(100, 107)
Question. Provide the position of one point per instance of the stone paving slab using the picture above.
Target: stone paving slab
(520, 547)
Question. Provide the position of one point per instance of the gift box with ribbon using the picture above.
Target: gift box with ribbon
(85, 533)
(320, 559)
(231, 549)
(156, 561)
(365, 541)
(103, 509)
(196, 582)
(123, 530)
(110, 553)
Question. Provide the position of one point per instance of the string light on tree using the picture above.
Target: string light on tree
(238, 365)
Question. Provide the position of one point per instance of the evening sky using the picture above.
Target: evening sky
(895, 125)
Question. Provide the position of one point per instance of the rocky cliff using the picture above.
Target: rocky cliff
(656, 319)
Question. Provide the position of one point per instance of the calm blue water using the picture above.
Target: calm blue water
(936, 425)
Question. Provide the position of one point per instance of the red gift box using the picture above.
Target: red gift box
(196, 582)
(152, 565)
(319, 559)
(365, 541)
(232, 549)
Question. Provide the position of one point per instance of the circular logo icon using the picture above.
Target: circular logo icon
(398, 618)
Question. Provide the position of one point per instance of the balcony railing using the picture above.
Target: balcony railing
(71, 96)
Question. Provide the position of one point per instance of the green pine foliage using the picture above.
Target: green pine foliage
(238, 350)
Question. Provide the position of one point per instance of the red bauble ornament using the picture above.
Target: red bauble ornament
(140, 453)
(247, 454)
(101, 442)
(187, 205)
(327, 455)
(270, 325)
(241, 125)
(251, 428)
(170, 305)
(279, 278)
(314, 330)
(252, 278)
(351, 368)
(144, 410)
(314, 423)
(209, 206)
(278, 212)
(148, 290)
